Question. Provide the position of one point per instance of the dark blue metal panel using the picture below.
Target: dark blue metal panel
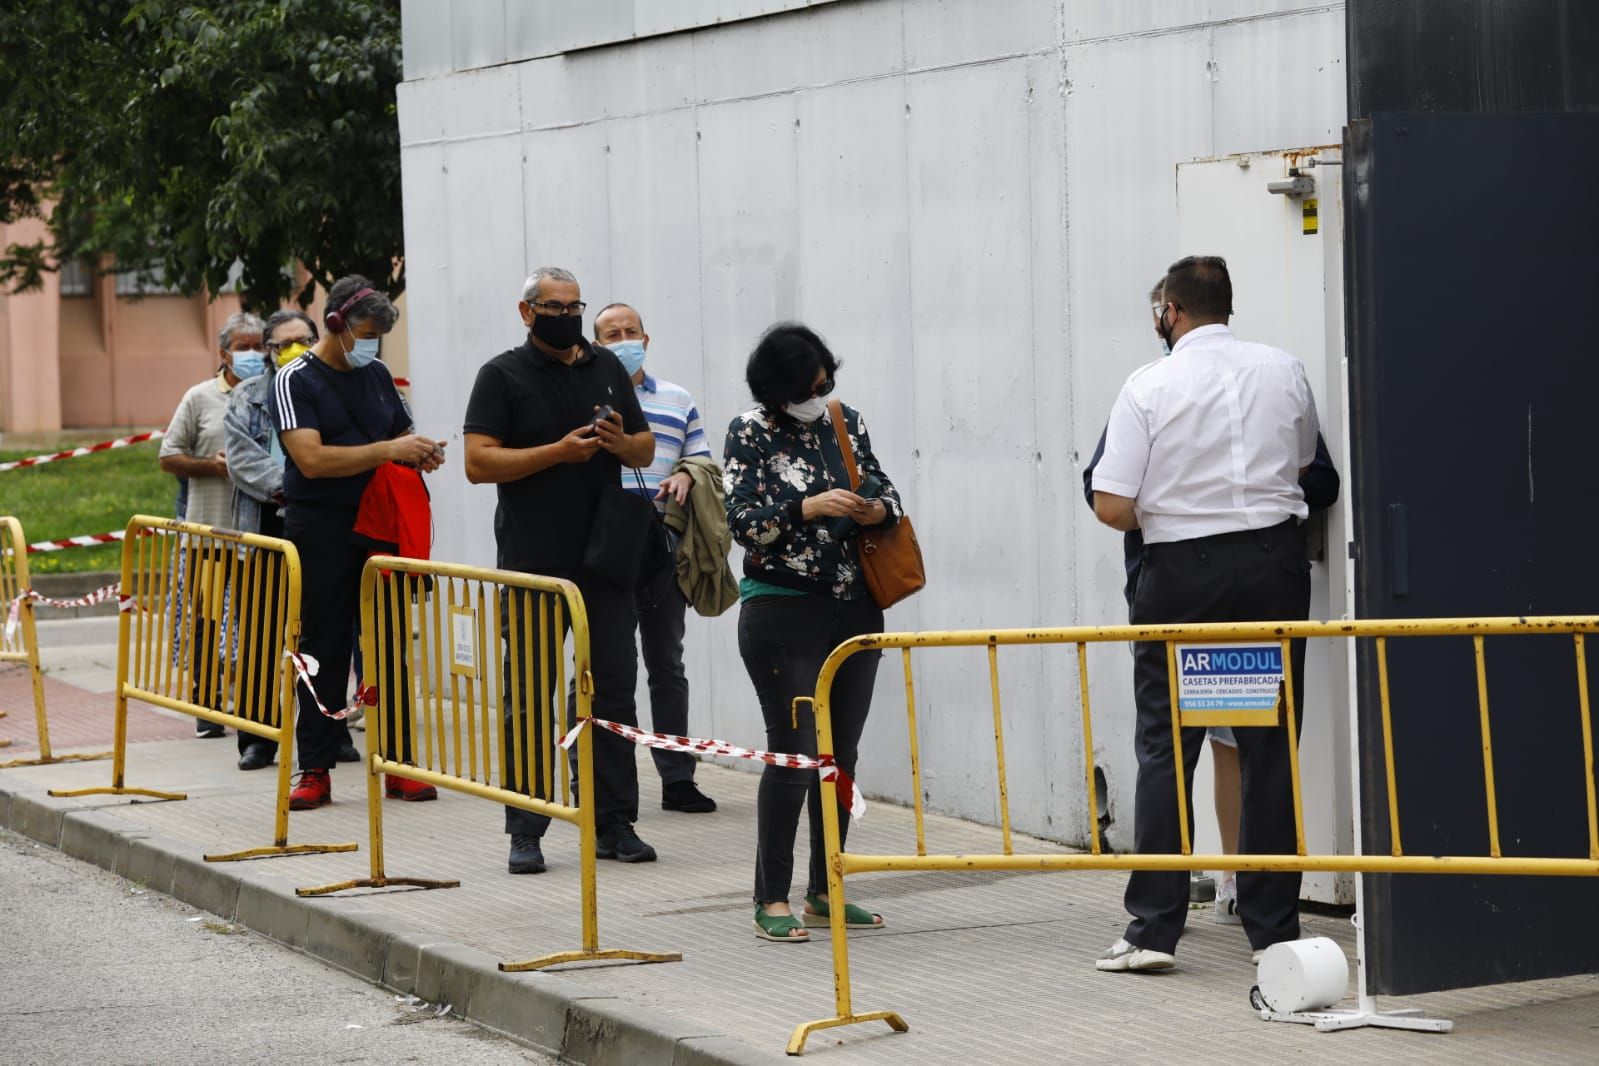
(1473, 259)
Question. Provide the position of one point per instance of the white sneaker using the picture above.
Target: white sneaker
(1123, 957)
(1226, 910)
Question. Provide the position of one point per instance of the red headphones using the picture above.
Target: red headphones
(335, 319)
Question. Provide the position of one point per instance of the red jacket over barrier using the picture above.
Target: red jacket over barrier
(395, 509)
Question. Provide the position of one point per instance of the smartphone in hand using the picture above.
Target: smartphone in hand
(871, 488)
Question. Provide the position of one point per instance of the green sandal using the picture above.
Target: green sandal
(779, 928)
(817, 913)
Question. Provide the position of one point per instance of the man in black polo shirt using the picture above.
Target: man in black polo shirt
(339, 418)
(532, 429)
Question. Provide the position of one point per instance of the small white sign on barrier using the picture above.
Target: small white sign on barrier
(463, 641)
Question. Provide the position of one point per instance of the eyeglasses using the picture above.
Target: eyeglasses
(275, 345)
(824, 389)
(550, 307)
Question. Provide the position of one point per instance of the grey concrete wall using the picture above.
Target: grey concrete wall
(968, 199)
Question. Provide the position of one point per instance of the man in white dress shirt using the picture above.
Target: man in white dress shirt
(1203, 454)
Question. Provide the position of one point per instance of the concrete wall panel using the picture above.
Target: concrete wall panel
(1253, 59)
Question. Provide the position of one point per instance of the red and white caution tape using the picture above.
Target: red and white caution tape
(103, 446)
(99, 595)
(829, 770)
(305, 668)
(87, 540)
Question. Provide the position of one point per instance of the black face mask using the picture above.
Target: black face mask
(1163, 329)
(558, 331)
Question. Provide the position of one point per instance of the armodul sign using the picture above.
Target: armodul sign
(1213, 677)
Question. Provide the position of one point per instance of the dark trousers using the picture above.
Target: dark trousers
(613, 660)
(259, 691)
(1261, 575)
(784, 640)
(330, 597)
(661, 614)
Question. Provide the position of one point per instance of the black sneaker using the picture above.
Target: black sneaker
(208, 730)
(619, 842)
(526, 855)
(349, 753)
(256, 757)
(684, 796)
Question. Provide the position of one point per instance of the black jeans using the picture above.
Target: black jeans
(614, 664)
(784, 640)
(1261, 575)
(330, 598)
(661, 614)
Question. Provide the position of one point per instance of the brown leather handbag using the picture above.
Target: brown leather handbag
(891, 558)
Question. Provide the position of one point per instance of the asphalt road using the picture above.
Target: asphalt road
(95, 969)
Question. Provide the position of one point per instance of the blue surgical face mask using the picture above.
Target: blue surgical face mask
(1165, 349)
(631, 353)
(364, 352)
(248, 364)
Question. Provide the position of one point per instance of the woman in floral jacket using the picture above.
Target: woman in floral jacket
(790, 506)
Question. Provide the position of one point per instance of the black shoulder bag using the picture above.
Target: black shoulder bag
(628, 543)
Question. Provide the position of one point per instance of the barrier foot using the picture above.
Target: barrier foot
(561, 958)
(152, 793)
(1332, 1021)
(374, 882)
(51, 759)
(802, 1032)
(287, 849)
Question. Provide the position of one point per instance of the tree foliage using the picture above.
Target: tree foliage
(182, 138)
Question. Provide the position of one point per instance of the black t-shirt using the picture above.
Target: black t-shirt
(348, 407)
(524, 398)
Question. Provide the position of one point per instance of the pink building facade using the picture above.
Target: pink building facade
(90, 351)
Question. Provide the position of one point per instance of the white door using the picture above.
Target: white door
(1285, 254)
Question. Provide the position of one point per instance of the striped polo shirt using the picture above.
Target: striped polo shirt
(678, 431)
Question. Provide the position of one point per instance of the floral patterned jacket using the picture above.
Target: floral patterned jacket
(773, 463)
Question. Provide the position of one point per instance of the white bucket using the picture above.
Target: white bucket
(1298, 975)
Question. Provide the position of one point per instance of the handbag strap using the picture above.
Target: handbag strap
(643, 489)
(835, 411)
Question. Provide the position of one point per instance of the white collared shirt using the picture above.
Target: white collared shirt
(1211, 439)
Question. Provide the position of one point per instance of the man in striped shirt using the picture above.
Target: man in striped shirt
(661, 607)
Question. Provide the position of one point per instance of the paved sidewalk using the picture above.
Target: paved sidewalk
(986, 967)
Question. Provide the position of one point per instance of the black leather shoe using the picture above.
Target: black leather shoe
(619, 842)
(256, 757)
(349, 753)
(526, 855)
(684, 796)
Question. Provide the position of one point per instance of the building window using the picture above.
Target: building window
(77, 278)
(147, 281)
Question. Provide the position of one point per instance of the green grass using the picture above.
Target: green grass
(90, 494)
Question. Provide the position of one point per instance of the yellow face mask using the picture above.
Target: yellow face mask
(290, 352)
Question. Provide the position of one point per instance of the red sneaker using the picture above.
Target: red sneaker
(403, 788)
(312, 789)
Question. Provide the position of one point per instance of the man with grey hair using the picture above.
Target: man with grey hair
(551, 423)
(193, 449)
(339, 418)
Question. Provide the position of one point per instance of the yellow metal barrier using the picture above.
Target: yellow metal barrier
(471, 671)
(21, 644)
(841, 863)
(211, 615)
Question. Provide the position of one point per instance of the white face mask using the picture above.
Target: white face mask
(809, 411)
